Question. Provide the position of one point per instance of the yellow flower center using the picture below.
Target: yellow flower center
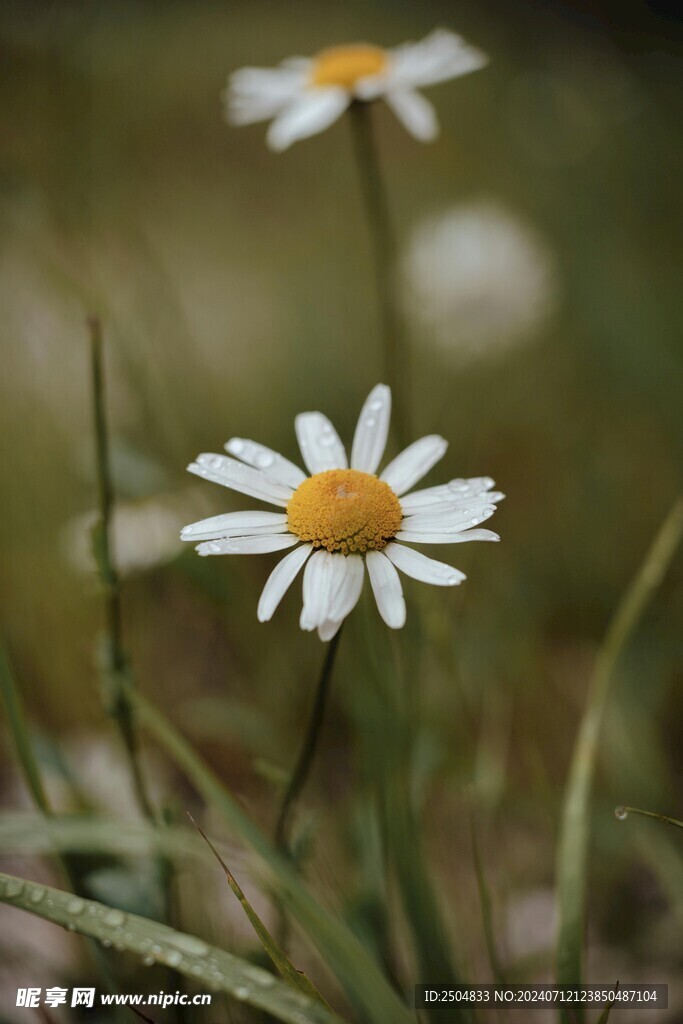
(344, 510)
(346, 65)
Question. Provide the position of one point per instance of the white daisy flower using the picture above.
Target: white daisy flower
(305, 95)
(342, 520)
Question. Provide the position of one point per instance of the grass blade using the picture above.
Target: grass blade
(623, 812)
(338, 946)
(486, 908)
(278, 956)
(212, 968)
(20, 734)
(573, 842)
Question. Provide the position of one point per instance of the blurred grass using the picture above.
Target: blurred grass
(236, 290)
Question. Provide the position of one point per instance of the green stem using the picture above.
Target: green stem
(574, 830)
(394, 352)
(300, 774)
(117, 669)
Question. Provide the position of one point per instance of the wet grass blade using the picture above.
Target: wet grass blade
(573, 842)
(623, 812)
(211, 968)
(341, 950)
(280, 960)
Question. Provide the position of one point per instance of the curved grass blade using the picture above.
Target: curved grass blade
(280, 960)
(339, 947)
(621, 813)
(210, 967)
(573, 842)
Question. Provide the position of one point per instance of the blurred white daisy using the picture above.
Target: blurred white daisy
(478, 279)
(305, 95)
(341, 521)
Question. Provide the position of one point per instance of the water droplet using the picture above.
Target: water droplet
(452, 580)
(241, 992)
(370, 421)
(216, 462)
(13, 888)
(76, 905)
(186, 530)
(237, 447)
(190, 944)
(148, 961)
(376, 405)
(36, 894)
(156, 950)
(173, 958)
(214, 547)
(114, 917)
(621, 813)
(326, 440)
(264, 459)
(92, 909)
(106, 943)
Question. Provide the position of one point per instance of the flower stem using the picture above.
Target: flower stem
(396, 370)
(116, 665)
(300, 774)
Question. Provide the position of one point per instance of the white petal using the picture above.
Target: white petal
(348, 586)
(442, 55)
(320, 445)
(314, 111)
(419, 537)
(230, 473)
(235, 524)
(427, 570)
(328, 629)
(414, 462)
(454, 505)
(449, 520)
(248, 545)
(372, 430)
(415, 113)
(386, 586)
(273, 465)
(454, 490)
(257, 94)
(317, 581)
(279, 581)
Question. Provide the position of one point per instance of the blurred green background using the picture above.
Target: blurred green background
(539, 240)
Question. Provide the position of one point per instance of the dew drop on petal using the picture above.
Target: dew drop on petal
(376, 405)
(13, 888)
(241, 992)
(264, 460)
(148, 961)
(37, 894)
(76, 905)
(237, 447)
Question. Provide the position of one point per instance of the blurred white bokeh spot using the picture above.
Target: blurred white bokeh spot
(477, 279)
